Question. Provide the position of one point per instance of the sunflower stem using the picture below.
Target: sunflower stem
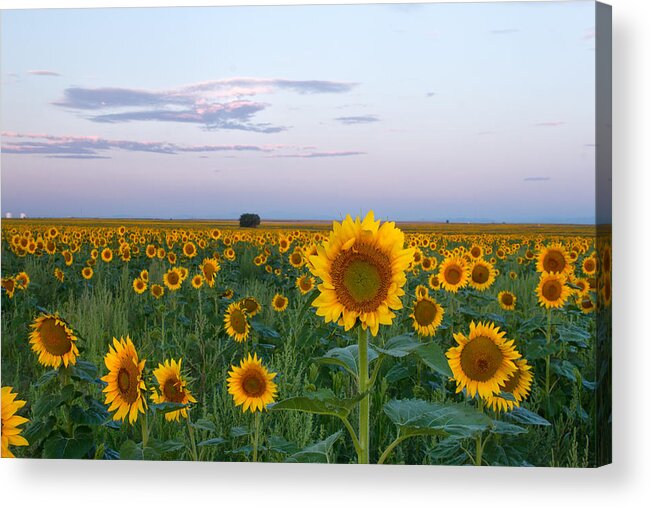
(364, 404)
(256, 434)
(480, 444)
(193, 442)
(548, 356)
(387, 452)
(145, 432)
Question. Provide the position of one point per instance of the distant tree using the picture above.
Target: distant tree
(249, 220)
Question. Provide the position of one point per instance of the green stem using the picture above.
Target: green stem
(256, 434)
(391, 447)
(480, 444)
(145, 431)
(364, 404)
(548, 356)
(353, 436)
(193, 442)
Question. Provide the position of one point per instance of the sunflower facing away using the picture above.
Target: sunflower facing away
(53, 341)
(11, 421)
(426, 315)
(507, 300)
(453, 274)
(171, 388)
(362, 268)
(518, 385)
(554, 259)
(552, 290)
(483, 361)
(251, 384)
(236, 322)
(126, 391)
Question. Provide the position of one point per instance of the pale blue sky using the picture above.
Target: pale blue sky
(423, 112)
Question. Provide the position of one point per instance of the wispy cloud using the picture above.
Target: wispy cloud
(537, 178)
(216, 104)
(430, 94)
(43, 73)
(356, 120)
(504, 31)
(320, 154)
(550, 124)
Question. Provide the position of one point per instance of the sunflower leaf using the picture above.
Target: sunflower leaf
(399, 346)
(316, 453)
(322, 402)
(434, 357)
(167, 407)
(524, 416)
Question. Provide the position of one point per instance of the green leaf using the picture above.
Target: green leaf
(279, 444)
(432, 355)
(570, 333)
(91, 416)
(565, 369)
(347, 358)
(504, 428)
(524, 416)
(212, 441)
(46, 377)
(316, 453)
(85, 371)
(167, 407)
(399, 346)
(132, 451)
(38, 430)
(448, 452)
(167, 446)
(45, 405)
(322, 402)
(205, 425)
(263, 330)
(239, 431)
(59, 446)
(420, 417)
(396, 373)
(532, 324)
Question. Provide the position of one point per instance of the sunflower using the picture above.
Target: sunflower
(518, 385)
(251, 384)
(482, 275)
(144, 274)
(173, 279)
(197, 281)
(296, 258)
(53, 341)
(228, 294)
(210, 268)
(585, 303)
(552, 290)
(59, 275)
(183, 271)
(428, 263)
(67, 257)
(554, 259)
(107, 255)
(87, 272)
(427, 315)
(150, 251)
(10, 422)
(589, 265)
(9, 285)
(229, 254)
(22, 280)
(251, 306)
(279, 303)
(189, 250)
(483, 361)
(139, 285)
(434, 282)
(171, 258)
(305, 284)
(453, 274)
(236, 322)
(171, 388)
(476, 251)
(507, 300)
(362, 266)
(157, 291)
(125, 392)
(421, 291)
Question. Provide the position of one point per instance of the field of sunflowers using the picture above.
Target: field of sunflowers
(359, 341)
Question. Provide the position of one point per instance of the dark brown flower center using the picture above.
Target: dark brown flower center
(453, 275)
(172, 390)
(254, 384)
(128, 377)
(238, 321)
(552, 290)
(480, 274)
(425, 312)
(507, 299)
(554, 261)
(54, 337)
(481, 358)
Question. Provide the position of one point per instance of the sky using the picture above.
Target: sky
(428, 112)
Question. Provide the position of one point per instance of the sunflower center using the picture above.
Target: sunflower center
(173, 278)
(552, 290)
(507, 299)
(475, 251)
(55, 339)
(127, 381)
(305, 283)
(589, 265)
(254, 385)
(238, 321)
(208, 270)
(453, 275)
(425, 312)
(554, 261)
(480, 274)
(295, 258)
(361, 277)
(172, 390)
(481, 358)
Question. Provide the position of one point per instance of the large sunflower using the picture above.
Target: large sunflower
(11, 421)
(173, 279)
(210, 268)
(482, 275)
(125, 392)
(453, 274)
(552, 290)
(518, 385)
(507, 300)
(483, 361)
(53, 341)
(251, 384)
(172, 388)
(362, 267)
(554, 259)
(426, 315)
(236, 322)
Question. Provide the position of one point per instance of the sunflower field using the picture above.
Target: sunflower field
(358, 341)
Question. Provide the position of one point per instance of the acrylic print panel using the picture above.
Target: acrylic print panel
(337, 234)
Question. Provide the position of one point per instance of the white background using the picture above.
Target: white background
(626, 482)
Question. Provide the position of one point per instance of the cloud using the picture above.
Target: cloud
(537, 178)
(356, 120)
(550, 124)
(43, 73)
(83, 157)
(430, 94)
(216, 104)
(321, 154)
(504, 31)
